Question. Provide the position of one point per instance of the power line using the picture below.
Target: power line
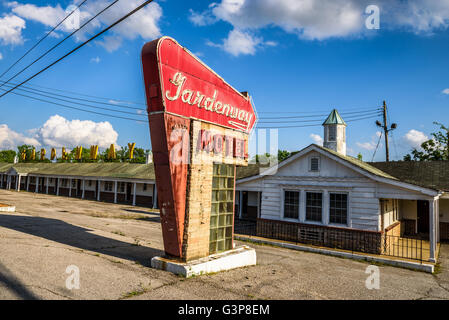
(89, 96)
(377, 146)
(81, 45)
(78, 103)
(314, 125)
(323, 115)
(73, 98)
(56, 45)
(308, 112)
(322, 119)
(42, 39)
(75, 108)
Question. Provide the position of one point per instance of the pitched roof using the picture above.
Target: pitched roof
(122, 170)
(429, 174)
(247, 172)
(334, 118)
(361, 164)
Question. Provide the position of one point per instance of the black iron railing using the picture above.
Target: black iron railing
(337, 238)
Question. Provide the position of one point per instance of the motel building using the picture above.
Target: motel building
(323, 197)
(127, 183)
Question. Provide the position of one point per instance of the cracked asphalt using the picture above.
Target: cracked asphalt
(112, 246)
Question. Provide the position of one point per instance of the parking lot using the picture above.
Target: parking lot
(112, 245)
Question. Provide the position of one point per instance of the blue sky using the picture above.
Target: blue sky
(291, 58)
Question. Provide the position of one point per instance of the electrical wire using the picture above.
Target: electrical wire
(42, 39)
(55, 96)
(80, 46)
(56, 45)
(377, 146)
(313, 125)
(75, 108)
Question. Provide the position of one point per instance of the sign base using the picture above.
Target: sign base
(236, 258)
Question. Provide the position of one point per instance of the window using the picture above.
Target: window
(332, 133)
(315, 164)
(291, 204)
(222, 211)
(338, 208)
(144, 187)
(121, 187)
(314, 206)
(108, 186)
(90, 183)
(74, 183)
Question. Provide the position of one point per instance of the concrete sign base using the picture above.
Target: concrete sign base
(236, 258)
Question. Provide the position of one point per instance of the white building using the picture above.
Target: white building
(322, 196)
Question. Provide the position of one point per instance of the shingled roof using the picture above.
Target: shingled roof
(118, 170)
(428, 174)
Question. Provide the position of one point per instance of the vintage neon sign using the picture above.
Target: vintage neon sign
(196, 121)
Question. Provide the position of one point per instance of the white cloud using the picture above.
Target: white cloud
(95, 60)
(239, 42)
(10, 139)
(11, 27)
(60, 132)
(445, 91)
(324, 19)
(317, 139)
(415, 138)
(201, 19)
(371, 145)
(48, 15)
(144, 23)
(366, 145)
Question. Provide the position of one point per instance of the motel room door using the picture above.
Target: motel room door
(423, 216)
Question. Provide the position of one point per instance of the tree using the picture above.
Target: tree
(435, 149)
(7, 156)
(267, 157)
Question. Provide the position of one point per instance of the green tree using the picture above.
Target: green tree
(7, 156)
(434, 149)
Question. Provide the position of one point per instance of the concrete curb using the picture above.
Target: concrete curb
(396, 263)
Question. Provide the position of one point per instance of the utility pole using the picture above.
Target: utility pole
(384, 126)
(387, 151)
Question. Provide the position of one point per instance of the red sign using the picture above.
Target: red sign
(189, 88)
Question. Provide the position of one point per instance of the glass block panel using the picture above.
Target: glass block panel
(222, 211)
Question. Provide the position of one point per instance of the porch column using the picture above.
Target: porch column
(36, 188)
(46, 189)
(432, 229)
(325, 207)
(437, 215)
(1, 180)
(70, 188)
(84, 189)
(18, 182)
(240, 204)
(98, 190)
(259, 195)
(154, 196)
(115, 191)
(134, 193)
(302, 206)
(28, 183)
(57, 188)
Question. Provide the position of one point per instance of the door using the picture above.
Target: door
(423, 216)
(128, 191)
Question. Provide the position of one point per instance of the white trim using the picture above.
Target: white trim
(312, 147)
